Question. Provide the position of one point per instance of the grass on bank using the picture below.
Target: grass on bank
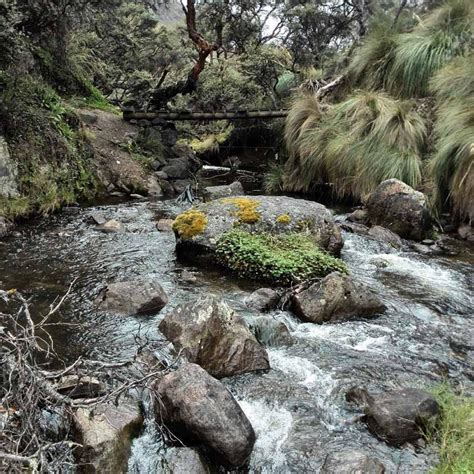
(283, 259)
(356, 144)
(454, 432)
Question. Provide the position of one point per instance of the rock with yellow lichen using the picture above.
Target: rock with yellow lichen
(198, 230)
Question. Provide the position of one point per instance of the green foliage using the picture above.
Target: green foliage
(454, 433)
(356, 145)
(54, 161)
(283, 259)
(452, 166)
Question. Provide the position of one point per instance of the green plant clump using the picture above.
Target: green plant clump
(284, 259)
(454, 432)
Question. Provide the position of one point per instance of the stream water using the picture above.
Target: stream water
(298, 408)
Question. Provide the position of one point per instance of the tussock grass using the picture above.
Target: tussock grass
(452, 166)
(357, 144)
(454, 432)
(403, 63)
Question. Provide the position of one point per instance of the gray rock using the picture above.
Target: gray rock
(169, 137)
(184, 461)
(221, 217)
(180, 185)
(161, 175)
(271, 332)
(198, 408)
(153, 187)
(384, 235)
(178, 168)
(8, 172)
(110, 226)
(226, 190)
(466, 232)
(263, 299)
(399, 208)
(106, 432)
(359, 216)
(336, 298)
(133, 297)
(98, 218)
(351, 461)
(397, 416)
(165, 225)
(209, 333)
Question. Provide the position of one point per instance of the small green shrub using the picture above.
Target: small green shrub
(284, 259)
(454, 432)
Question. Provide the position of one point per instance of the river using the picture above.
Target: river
(298, 408)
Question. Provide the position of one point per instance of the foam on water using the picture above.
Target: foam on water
(272, 426)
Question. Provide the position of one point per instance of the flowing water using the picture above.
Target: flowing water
(298, 408)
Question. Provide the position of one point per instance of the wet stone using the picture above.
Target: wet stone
(351, 461)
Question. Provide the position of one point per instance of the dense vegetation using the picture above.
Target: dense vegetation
(285, 259)
(404, 110)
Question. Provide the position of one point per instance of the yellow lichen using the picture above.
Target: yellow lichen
(246, 209)
(283, 219)
(190, 223)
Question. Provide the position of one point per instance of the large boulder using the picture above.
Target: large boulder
(199, 230)
(133, 297)
(397, 416)
(208, 332)
(399, 208)
(200, 409)
(351, 461)
(106, 432)
(336, 298)
(8, 172)
(382, 234)
(178, 168)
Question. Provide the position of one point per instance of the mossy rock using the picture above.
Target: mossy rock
(254, 214)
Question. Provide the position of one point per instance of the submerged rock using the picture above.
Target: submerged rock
(384, 235)
(336, 298)
(351, 461)
(111, 226)
(106, 433)
(226, 190)
(271, 214)
(271, 332)
(185, 461)
(199, 409)
(133, 297)
(399, 208)
(263, 299)
(397, 416)
(211, 334)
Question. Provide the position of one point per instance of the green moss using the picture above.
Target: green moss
(190, 223)
(284, 259)
(246, 209)
(454, 432)
(284, 219)
(95, 100)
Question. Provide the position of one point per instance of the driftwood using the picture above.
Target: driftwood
(27, 387)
